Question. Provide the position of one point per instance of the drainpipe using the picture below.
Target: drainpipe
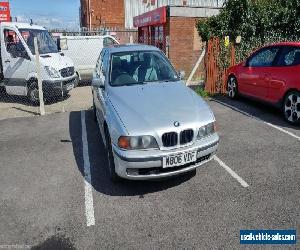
(90, 15)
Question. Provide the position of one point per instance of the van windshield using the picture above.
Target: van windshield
(46, 43)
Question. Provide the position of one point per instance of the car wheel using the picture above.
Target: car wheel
(232, 87)
(33, 93)
(110, 159)
(291, 107)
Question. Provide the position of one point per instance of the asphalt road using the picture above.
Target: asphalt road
(42, 187)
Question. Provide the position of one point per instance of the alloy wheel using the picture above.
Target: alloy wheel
(232, 87)
(292, 107)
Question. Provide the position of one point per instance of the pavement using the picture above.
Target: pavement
(79, 98)
(43, 186)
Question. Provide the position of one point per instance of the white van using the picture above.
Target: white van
(18, 62)
(84, 51)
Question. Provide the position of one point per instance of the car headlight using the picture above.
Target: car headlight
(52, 72)
(137, 142)
(206, 130)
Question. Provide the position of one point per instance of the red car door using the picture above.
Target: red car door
(255, 75)
(285, 74)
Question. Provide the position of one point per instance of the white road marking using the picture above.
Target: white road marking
(231, 172)
(89, 204)
(254, 117)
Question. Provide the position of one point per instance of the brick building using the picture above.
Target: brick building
(173, 30)
(119, 13)
(167, 24)
(102, 13)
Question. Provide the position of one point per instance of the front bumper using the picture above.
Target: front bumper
(142, 165)
(56, 87)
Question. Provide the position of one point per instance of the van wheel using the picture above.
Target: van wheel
(110, 160)
(33, 93)
(2, 90)
(291, 107)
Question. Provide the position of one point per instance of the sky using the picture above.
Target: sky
(62, 14)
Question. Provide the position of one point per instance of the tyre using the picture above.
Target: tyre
(33, 93)
(291, 107)
(232, 87)
(110, 160)
(2, 90)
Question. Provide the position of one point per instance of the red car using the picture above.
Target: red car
(270, 74)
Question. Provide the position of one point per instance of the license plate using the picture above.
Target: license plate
(70, 86)
(179, 159)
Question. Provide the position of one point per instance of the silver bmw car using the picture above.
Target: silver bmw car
(152, 125)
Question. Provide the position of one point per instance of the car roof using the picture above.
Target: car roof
(297, 44)
(131, 47)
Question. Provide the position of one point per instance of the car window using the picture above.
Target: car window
(107, 41)
(263, 58)
(290, 56)
(13, 43)
(105, 61)
(137, 67)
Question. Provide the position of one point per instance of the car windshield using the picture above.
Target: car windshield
(46, 43)
(139, 67)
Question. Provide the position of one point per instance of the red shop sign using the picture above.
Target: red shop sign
(157, 16)
(4, 12)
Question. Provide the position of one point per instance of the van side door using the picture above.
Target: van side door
(15, 61)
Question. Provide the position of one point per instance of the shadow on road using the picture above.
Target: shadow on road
(98, 163)
(257, 109)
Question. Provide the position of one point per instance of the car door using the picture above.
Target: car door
(15, 64)
(285, 73)
(256, 74)
(99, 93)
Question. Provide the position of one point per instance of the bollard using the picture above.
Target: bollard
(39, 77)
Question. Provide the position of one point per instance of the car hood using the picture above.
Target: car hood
(56, 60)
(154, 107)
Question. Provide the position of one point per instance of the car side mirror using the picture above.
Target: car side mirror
(181, 74)
(98, 82)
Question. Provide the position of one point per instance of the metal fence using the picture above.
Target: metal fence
(69, 87)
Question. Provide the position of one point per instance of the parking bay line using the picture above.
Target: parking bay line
(258, 119)
(231, 172)
(89, 204)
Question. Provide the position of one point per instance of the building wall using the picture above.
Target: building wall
(137, 7)
(104, 13)
(185, 45)
(119, 13)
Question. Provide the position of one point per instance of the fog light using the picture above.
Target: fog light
(132, 171)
